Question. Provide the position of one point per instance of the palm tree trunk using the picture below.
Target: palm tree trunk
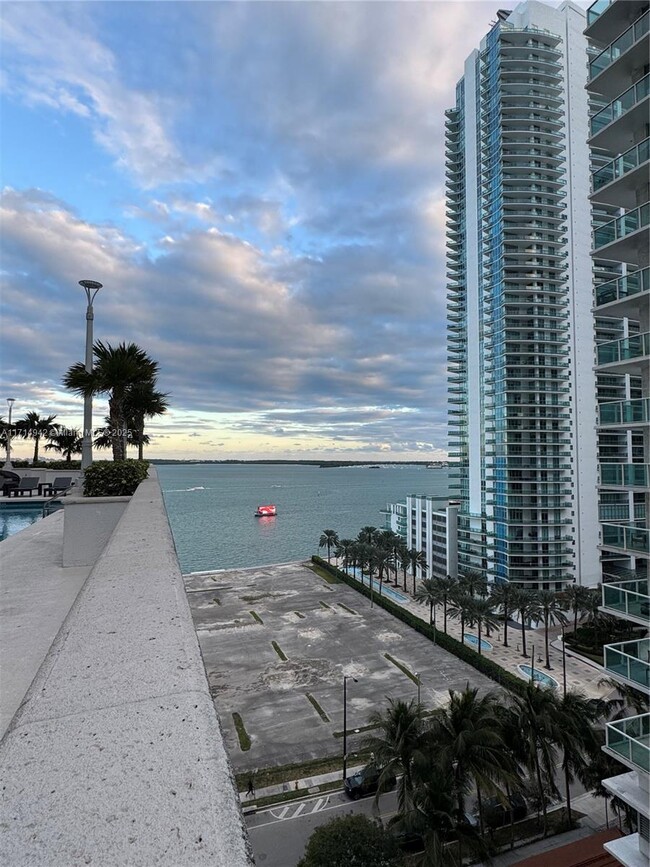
(523, 634)
(541, 792)
(430, 613)
(505, 625)
(141, 446)
(479, 801)
(568, 796)
(36, 439)
(575, 621)
(444, 602)
(414, 571)
(462, 629)
(548, 660)
(480, 622)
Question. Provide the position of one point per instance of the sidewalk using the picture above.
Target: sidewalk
(580, 675)
(309, 785)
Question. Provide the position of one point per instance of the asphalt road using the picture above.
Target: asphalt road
(279, 834)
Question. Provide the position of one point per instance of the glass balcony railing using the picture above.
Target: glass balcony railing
(625, 475)
(621, 165)
(628, 538)
(596, 10)
(629, 659)
(623, 287)
(624, 349)
(619, 46)
(628, 598)
(630, 739)
(622, 226)
(621, 105)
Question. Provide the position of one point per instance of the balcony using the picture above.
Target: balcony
(622, 170)
(629, 741)
(596, 10)
(631, 539)
(630, 354)
(625, 475)
(601, 127)
(630, 661)
(628, 599)
(623, 288)
(618, 239)
(629, 44)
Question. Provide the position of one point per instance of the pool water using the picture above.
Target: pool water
(473, 640)
(386, 589)
(17, 518)
(539, 676)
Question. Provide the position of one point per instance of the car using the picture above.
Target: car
(365, 782)
(496, 813)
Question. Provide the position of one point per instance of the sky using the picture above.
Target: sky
(260, 189)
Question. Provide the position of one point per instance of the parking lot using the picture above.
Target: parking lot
(277, 642)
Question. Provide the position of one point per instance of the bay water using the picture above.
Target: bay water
(211, 507)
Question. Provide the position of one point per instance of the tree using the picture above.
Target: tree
(472, 582)
(503, 596)
(351, 840)
(468, 738)
(66, 443)
(447, 586)
(575, 597)
(344, 550)
(459, 608)
(116, 370)
(527, 606)
(143, 401)
(398, 738)
(367, 535)
(417, 560)
(535, 716)
(103, 438)
(381, 560)
(36, 427)
(428, 592)
(330, 540)
(482, 611)
(552, 610)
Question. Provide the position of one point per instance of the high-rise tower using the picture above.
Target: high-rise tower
(520, 327)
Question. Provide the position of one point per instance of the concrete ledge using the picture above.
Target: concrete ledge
(116, 756)
(88, 525)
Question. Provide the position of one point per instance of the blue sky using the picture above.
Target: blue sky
(260, 188)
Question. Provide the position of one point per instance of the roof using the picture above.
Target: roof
(587, 852)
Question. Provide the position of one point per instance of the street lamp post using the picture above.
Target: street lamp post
(345, 723)
(564, 666)
(91, 288)
(10, 404)
(419, 682)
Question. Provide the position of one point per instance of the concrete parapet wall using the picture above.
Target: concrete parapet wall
(116, 755)
(88, 525)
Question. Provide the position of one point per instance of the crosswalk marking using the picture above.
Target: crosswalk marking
(306, 808)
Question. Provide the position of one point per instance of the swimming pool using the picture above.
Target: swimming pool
(13, 519)
(538, 676)
(473, 640)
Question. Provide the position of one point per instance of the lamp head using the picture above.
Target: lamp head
(91, 284)
(11, 401)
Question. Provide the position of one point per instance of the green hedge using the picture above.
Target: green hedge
(486, 666)
(114, 478)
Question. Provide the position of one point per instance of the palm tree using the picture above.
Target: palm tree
(103, 438)
(459, 607)
(482, 611)
(468, 738)
(535, 716)
(447, 586)
(329, 539)
(398, 739)
(417, 560)
(116, 370)
(66, 443)
(381, 560)
(144, 401)
(36, 427)
(551, 608)
(344, 551)
(575, 597)
(428, 592)
(473, 582)
(577, 720)
(503, 596)
(527, 606)
(404, 560)
(367, 535)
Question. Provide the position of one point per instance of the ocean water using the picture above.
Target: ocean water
(211, 508)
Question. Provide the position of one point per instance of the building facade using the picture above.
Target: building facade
(522, 383)
(619, 140)
(430, 525)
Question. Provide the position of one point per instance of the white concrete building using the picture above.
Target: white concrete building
(520, 329)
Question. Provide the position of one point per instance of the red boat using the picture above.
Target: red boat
(266, 511)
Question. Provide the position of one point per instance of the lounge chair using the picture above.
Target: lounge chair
(8, 480)
(61, 483)
(28, 483)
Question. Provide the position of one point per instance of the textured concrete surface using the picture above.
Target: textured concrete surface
(36, 594)
(326, 631)
(116, 755)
